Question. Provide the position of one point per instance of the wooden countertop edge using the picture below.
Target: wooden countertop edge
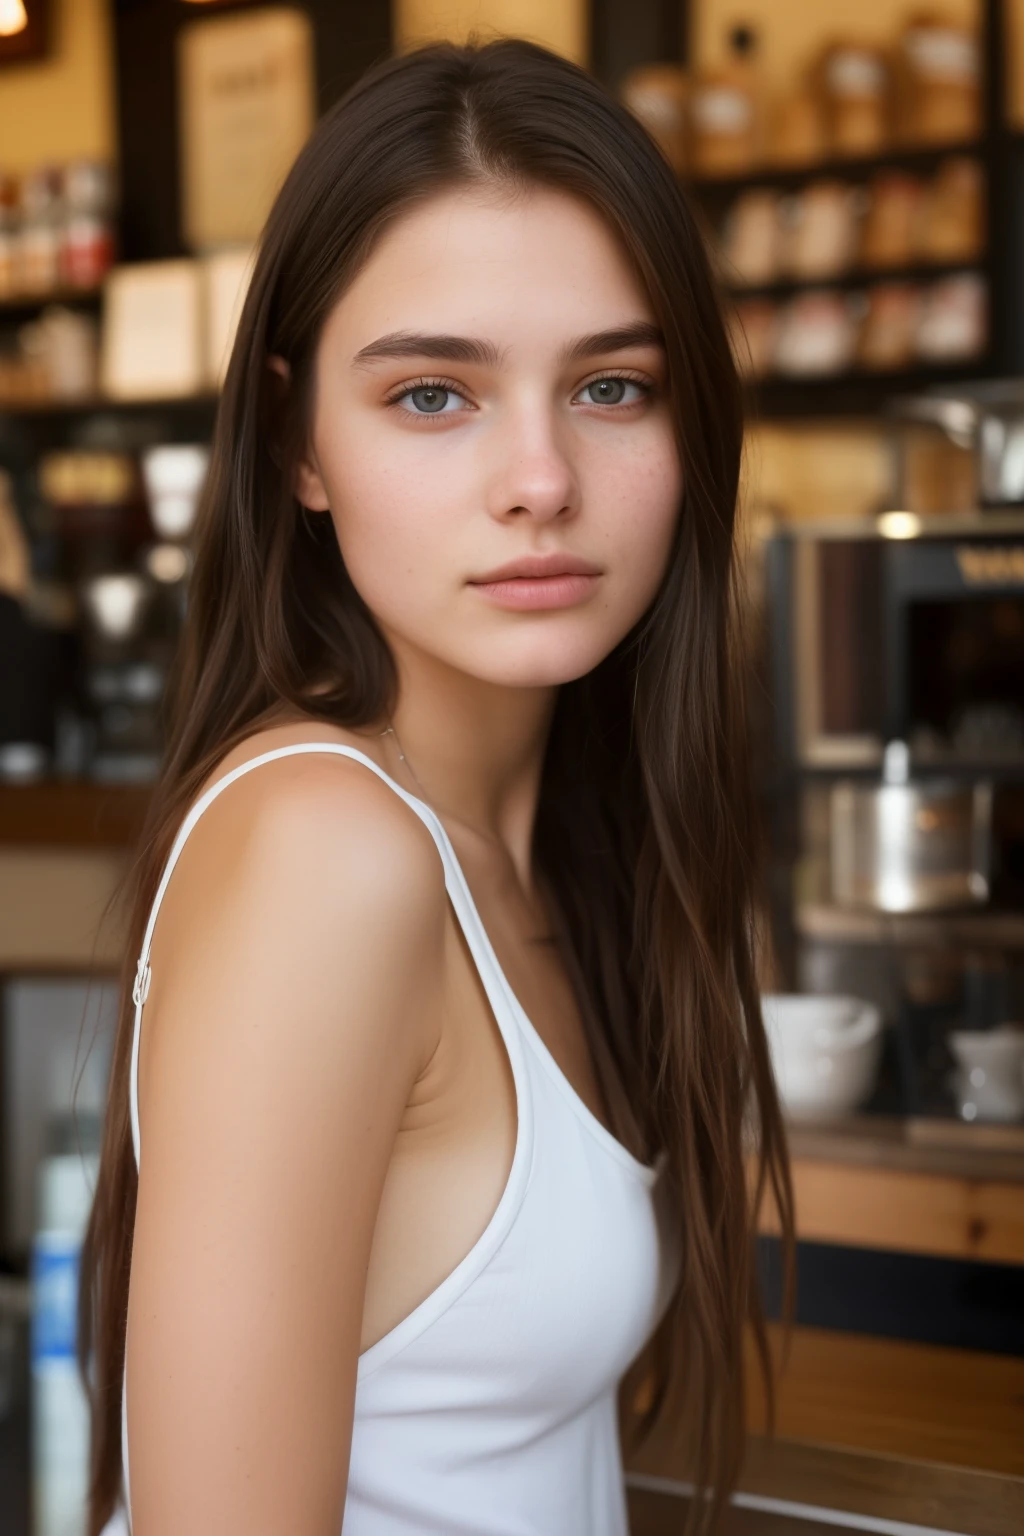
(888, 1208)
(956, 1499)
(71, 813)
(991, 1153)
(894, 1487)
(915, 1186)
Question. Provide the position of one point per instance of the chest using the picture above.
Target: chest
(566, 1279)
(468, 1120)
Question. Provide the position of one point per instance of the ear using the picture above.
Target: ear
(308, 487)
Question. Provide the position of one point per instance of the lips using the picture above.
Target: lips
(539, 582)
(537, 568)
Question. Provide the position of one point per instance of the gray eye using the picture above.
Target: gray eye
(613, 392)
(429, 398)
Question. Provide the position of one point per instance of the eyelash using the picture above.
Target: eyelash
(627, 377)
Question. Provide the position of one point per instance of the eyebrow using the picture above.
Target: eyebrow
(470, 349)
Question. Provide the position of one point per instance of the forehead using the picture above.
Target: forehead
(543, 264)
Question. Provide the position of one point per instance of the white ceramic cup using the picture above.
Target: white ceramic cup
(989, 1081)
(173, 475)
(115, 601)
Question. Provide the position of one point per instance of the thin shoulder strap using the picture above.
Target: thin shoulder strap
(493, 979)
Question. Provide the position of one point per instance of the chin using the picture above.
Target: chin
(539, 661)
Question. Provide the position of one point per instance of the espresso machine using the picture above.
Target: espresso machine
(897, 648)
(123, 537)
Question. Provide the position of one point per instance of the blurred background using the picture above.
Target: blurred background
(858, 169)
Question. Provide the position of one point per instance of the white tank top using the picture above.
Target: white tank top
(491, 1409)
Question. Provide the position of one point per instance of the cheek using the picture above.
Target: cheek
(390, 529)
(639, 502)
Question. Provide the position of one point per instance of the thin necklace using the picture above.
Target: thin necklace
(389, 730)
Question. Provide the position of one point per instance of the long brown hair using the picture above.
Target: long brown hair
(646, 827)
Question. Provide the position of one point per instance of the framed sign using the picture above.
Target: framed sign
(247, 103)
(153, 331)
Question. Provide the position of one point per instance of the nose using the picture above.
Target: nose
(534, 476)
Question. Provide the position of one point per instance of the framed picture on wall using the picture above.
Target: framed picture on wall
(24, 30)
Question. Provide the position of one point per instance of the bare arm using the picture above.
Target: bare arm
(293, 1016)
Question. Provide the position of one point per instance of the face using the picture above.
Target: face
(492, 439)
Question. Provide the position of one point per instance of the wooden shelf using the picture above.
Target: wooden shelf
(18, 306)
(1006, 769)
(847, 925)
(921, 159)
(71, 814)
(944, 1216)
(853, 279)
(89, 404)
(913, 1144)
(989, 522)
(854, 393)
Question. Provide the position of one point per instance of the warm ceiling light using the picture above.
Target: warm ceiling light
(13, 17)
(899, 525)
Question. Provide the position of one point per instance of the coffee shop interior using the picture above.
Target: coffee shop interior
(858, 171)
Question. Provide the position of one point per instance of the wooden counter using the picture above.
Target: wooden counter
(921, 1187)
(56, 813)
(858, 1394)
(918, 1186)
(927, 1402)
(58, 910)
(63, 851)
(866, 1489)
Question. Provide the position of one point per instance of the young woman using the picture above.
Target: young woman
(443, 1046)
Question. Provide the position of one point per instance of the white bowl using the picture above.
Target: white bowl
(825, 1051)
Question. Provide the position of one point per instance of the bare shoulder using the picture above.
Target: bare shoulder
(308, 797)
(320, 813)
(307, 870)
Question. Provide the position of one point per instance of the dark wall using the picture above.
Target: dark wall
(349, 34)
(625, 33)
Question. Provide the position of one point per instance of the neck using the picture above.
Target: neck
(475, 749)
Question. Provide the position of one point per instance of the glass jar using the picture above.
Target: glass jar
(87, 236)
